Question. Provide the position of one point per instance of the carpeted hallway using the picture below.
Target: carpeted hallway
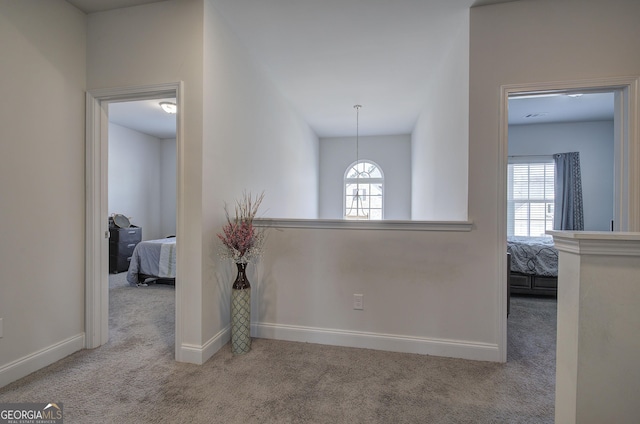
(133, 378)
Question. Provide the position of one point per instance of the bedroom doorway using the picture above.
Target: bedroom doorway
(99, 109)
(142, 220)
(622, 208)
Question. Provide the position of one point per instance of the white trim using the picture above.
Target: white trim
(344, 224)
(597, 243)
(198, 355)
(387, 342)
(630, 172)
(96, 239)
(96, 248)
(512, 160)
(40, 359)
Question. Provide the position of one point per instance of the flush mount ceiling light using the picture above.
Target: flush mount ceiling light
(169, 107)
(536, 115)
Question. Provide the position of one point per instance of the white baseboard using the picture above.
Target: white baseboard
(198, 355)
(40, 359)
(389, 342)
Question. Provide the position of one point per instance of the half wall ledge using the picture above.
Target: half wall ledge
(460, 226)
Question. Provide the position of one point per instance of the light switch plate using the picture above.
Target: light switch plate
(358, 301)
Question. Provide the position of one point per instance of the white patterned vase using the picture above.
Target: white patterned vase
(241, 313)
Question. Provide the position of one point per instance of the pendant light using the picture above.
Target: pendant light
(356, 209)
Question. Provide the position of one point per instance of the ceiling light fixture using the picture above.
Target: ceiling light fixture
(169, 107)
(358, 197)
(536, 115)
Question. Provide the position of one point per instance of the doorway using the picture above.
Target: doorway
(540, 127)
(626, 160)
(97, 232)
(142, 221)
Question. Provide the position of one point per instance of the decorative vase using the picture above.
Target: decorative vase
(241, 312)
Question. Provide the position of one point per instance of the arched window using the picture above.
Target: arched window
(363, 191)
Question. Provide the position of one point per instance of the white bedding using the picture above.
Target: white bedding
(155, 258)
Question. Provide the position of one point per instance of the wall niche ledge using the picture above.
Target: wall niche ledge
(345, 224)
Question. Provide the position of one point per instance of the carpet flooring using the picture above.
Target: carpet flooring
(134, 379)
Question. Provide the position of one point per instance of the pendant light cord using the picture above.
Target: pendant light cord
(357, 108)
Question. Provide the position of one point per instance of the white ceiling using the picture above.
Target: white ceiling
(561, 108)
(325, 56)
(145, 116)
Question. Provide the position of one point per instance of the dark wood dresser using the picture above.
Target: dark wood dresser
(122, 241)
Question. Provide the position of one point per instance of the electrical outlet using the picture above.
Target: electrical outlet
(358, 302)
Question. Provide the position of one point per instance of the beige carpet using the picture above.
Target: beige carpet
(133, 378)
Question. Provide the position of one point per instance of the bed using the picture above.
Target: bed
(534, 265)
(154, 259)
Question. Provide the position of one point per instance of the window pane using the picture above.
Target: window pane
(376, 214)
(374, 172)
(362, 171)
(537, 211)
(530, 198)
(365, 201)
(521, 228)
(521, 211)
(549, 224)
(537, 228)
(376, 202)
(363, 191)
(549, 210)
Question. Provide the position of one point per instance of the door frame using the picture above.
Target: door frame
(96, 203)
(626, 164)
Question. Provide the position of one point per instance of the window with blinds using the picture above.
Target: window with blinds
(530, 197)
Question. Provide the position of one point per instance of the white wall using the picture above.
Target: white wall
(134, 178)
(428, 292)
(594, 141)
(421, 290)
(439, 143)
(131, 47)
(253, 141)
(168, 187)
(392, 153)
(142, 180)
(432, 291)
(238, 133)
(597, 373)
(42, 46)
(529, 42)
